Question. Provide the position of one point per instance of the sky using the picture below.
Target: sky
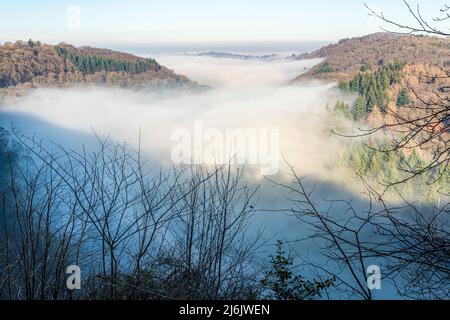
(139, 22)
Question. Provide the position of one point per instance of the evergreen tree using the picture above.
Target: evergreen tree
(373, 88)
(344, 86)
(360, 108)
(92, 63)
(344, 109)
(283, 284)
(403, 98)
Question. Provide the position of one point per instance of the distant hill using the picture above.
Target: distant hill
(350, 56)
(227, 55)
(25, 65)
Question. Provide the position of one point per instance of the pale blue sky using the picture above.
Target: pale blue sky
(139, 22)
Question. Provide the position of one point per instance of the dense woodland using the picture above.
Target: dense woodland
(89, 64)
(373, 89)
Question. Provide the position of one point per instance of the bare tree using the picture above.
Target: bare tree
(340, 236)
(421, 26)
(40, 234)
(135, 233)
(211, 243)
(409, 241)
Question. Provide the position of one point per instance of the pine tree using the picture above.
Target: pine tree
(283, 284)
(360, 108)
(403, 98)
(344, 109)
(92, 63)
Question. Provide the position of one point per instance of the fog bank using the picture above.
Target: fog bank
(244, 95)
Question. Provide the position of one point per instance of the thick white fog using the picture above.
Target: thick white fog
(217, 72)
(244, 95)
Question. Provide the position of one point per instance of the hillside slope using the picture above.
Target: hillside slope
(384, 72)
(25, 65)
(350, 56)
(399, 83)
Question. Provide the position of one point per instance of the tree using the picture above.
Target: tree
(410, 243)
(373, 86)
(403, 98)
(344, 86)
(366, 67)
(89, 64)
(324, 68)
(283, 284)
(344, 109)
(422, 26)
(340, 234)
(107, 212)
(360, 108)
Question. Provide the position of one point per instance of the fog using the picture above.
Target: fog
(244, 95)
(234, 73)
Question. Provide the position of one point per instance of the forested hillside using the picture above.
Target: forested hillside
(386, 73)
(32, 64)
(350, 56)
(385, 79)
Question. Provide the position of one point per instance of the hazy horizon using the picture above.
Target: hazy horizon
(138, 23)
